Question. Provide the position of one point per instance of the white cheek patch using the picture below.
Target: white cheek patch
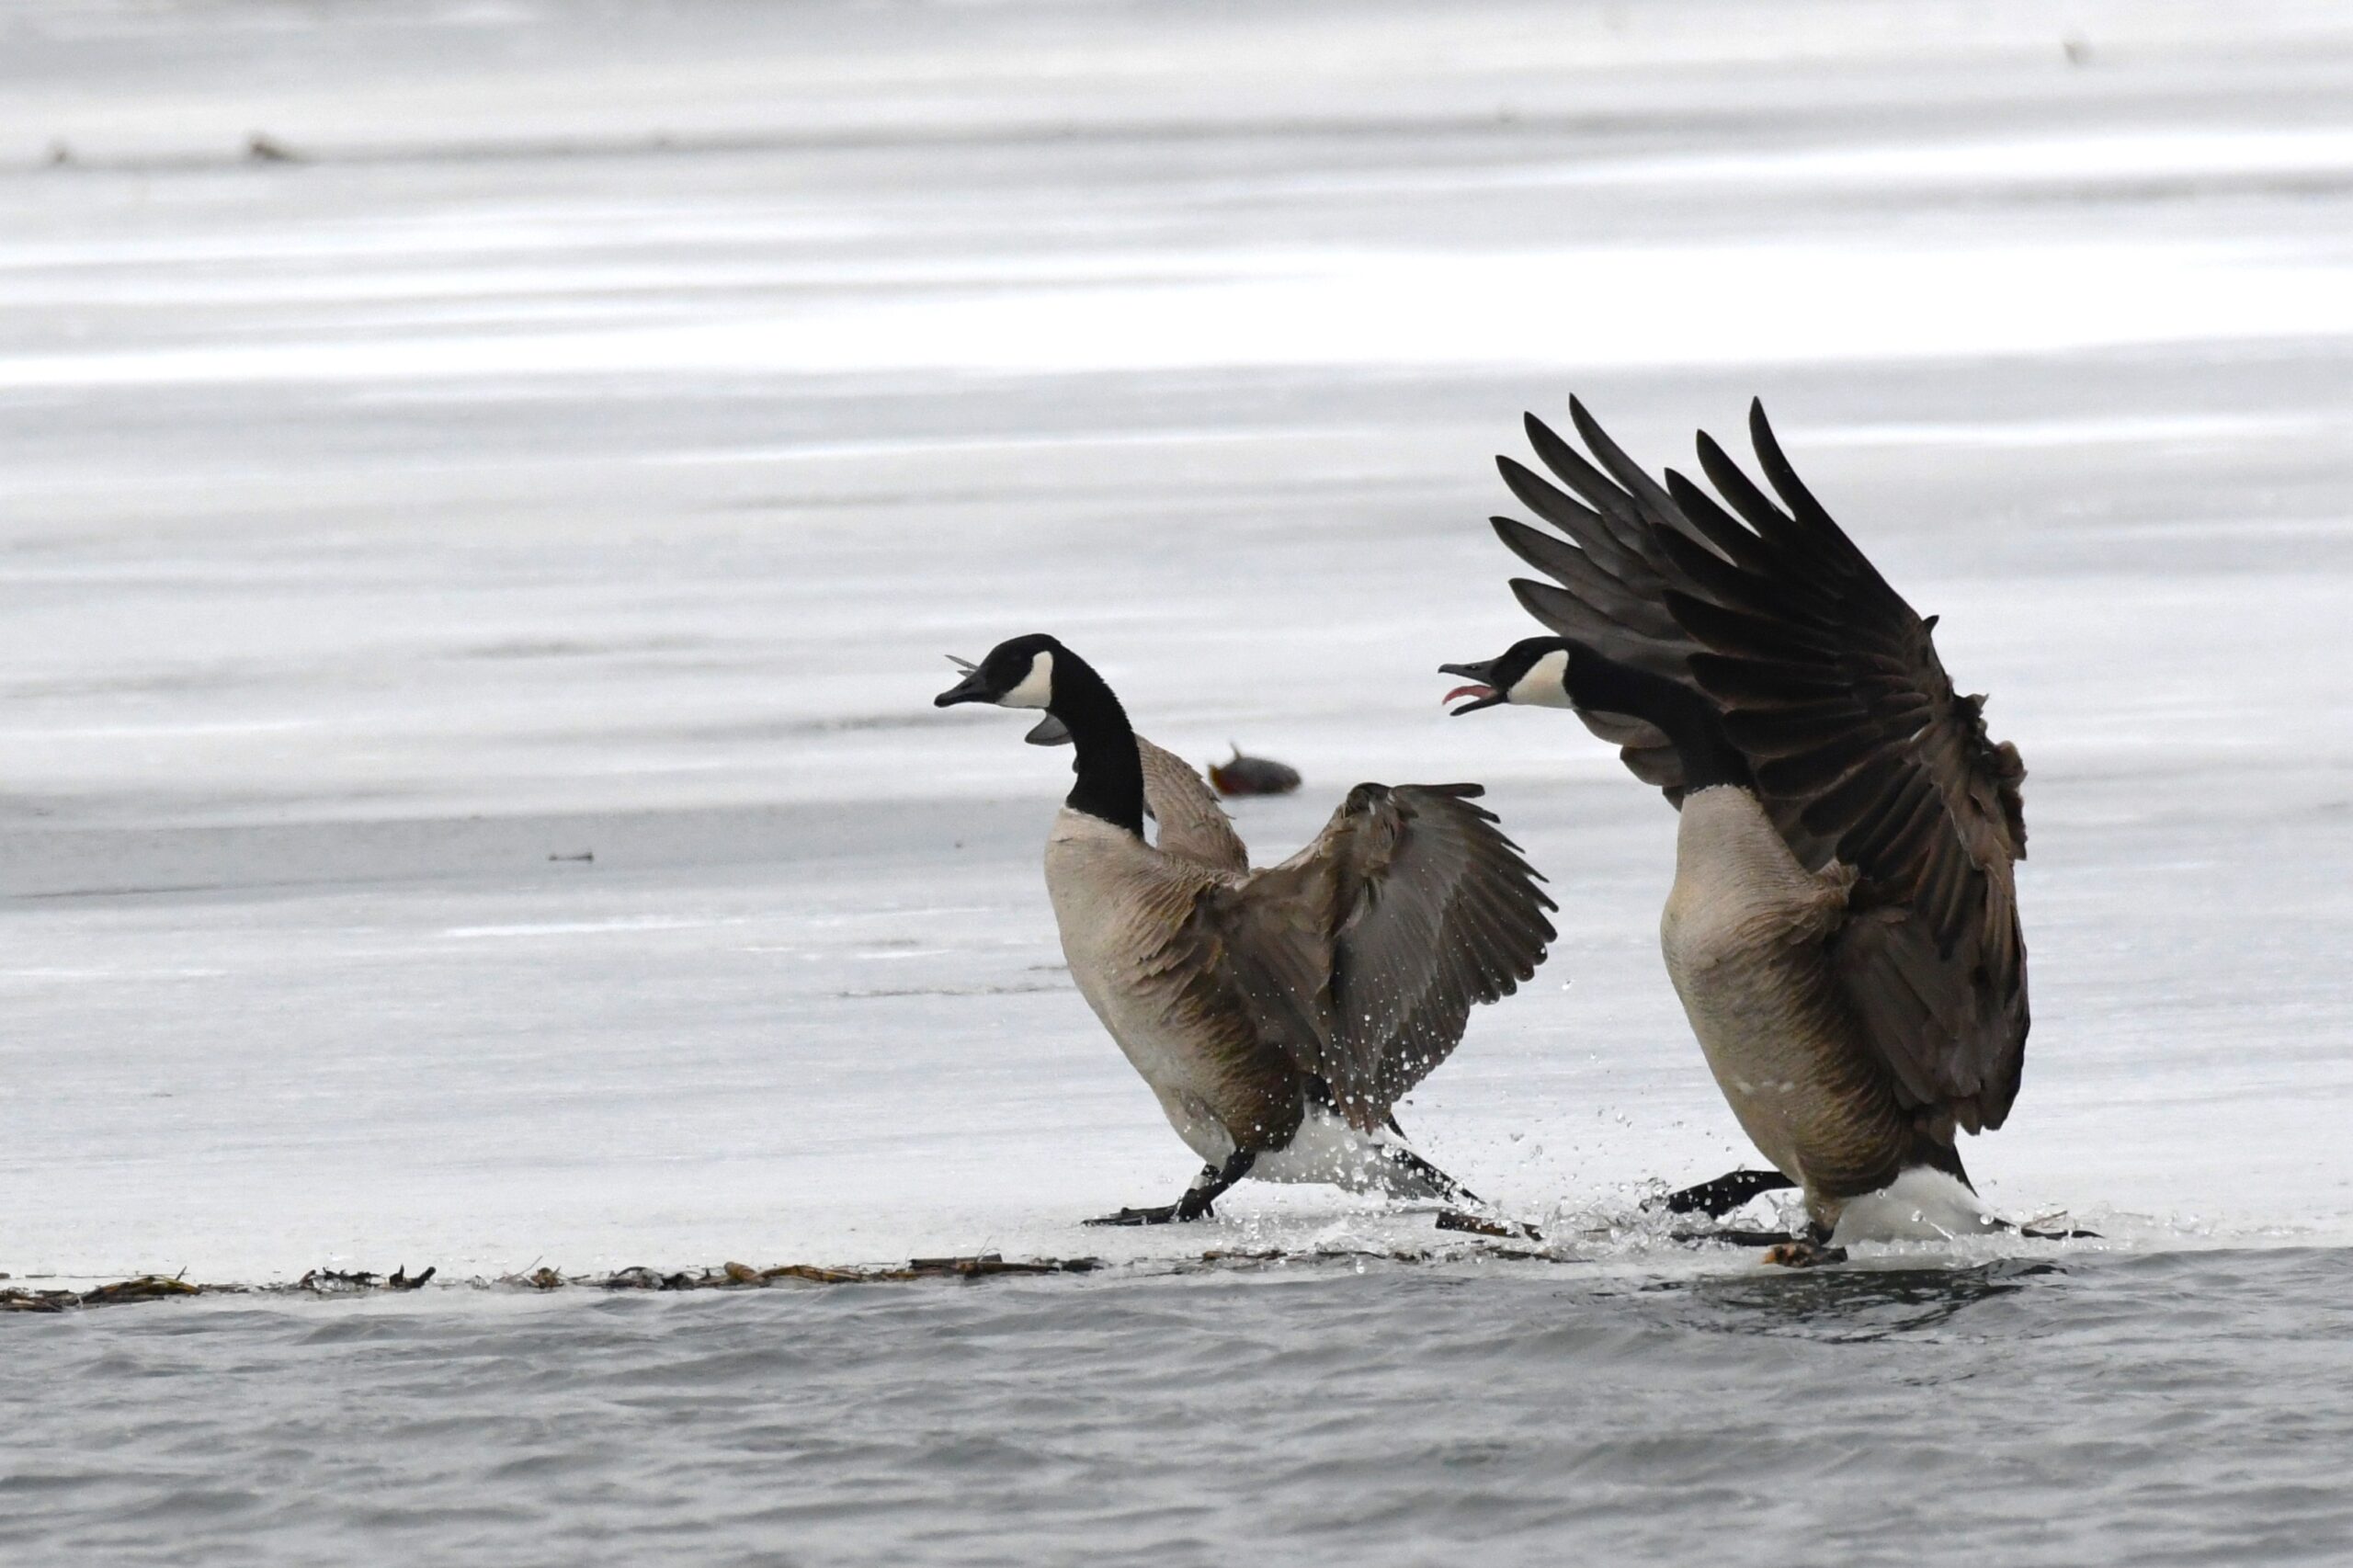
(1546, 683)
(1037, 687)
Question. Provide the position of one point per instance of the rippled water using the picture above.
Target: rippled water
(2191, 1407)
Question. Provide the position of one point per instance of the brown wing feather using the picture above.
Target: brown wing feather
(1360, 957)
(1192, 825)
(1430, 910)
(1864, 753)
(1251, 981)
(1909, 790)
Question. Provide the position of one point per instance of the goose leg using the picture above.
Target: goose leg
(1420, 1172)
(1207, 1189)
(1738, 1238)
(1719, 1197)
(1421, 1178)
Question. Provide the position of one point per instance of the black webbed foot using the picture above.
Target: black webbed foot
(1198, 1200)
(1810, 1251)
(1739, 1238)
(1719, 1197)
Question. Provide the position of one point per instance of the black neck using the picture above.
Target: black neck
(1690, 720)
(1110, 774)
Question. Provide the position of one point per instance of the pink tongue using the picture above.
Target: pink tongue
(1466, 692)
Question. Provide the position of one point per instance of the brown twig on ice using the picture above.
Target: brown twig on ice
(325, 1281)
(743, 1277)
(1227, 1257)
(343, 1282)
(728, 1276)
(146, 1287)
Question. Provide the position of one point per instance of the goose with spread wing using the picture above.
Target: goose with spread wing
(1278, 1015)
(1843, 928)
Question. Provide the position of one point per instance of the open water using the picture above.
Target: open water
(2188, 1407)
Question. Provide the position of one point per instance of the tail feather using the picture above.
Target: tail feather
(1939, 1154)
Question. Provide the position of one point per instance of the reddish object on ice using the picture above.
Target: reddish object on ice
(1253, 775)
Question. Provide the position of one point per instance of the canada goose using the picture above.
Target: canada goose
(1843, 928)
(1278, 1015)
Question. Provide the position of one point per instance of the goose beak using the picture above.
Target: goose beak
(971, 689)
(1483, 695)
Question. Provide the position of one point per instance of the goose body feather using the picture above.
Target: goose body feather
(1120, 905)
(1744, 932)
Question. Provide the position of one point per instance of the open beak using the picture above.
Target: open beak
(1481, 694)
(971, 689)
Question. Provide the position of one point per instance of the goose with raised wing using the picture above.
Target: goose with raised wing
(1843, 925)
(1278, 1015)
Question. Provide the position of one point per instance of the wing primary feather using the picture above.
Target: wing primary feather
(1715, 527)
(1608, 542)
(1659, 506)
(1545, 499)
(1583, 575)
(1574, 471)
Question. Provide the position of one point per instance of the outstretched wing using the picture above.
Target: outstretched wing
(1863, 753)
(1192, 824)
(1610, 587)
(1427, 909)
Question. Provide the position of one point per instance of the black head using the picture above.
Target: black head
(1037, 672)
(1016, 673)
(1533, 672)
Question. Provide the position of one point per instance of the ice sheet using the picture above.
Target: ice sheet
(509, 485)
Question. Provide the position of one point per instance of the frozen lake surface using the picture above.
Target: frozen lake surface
(471, 593)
